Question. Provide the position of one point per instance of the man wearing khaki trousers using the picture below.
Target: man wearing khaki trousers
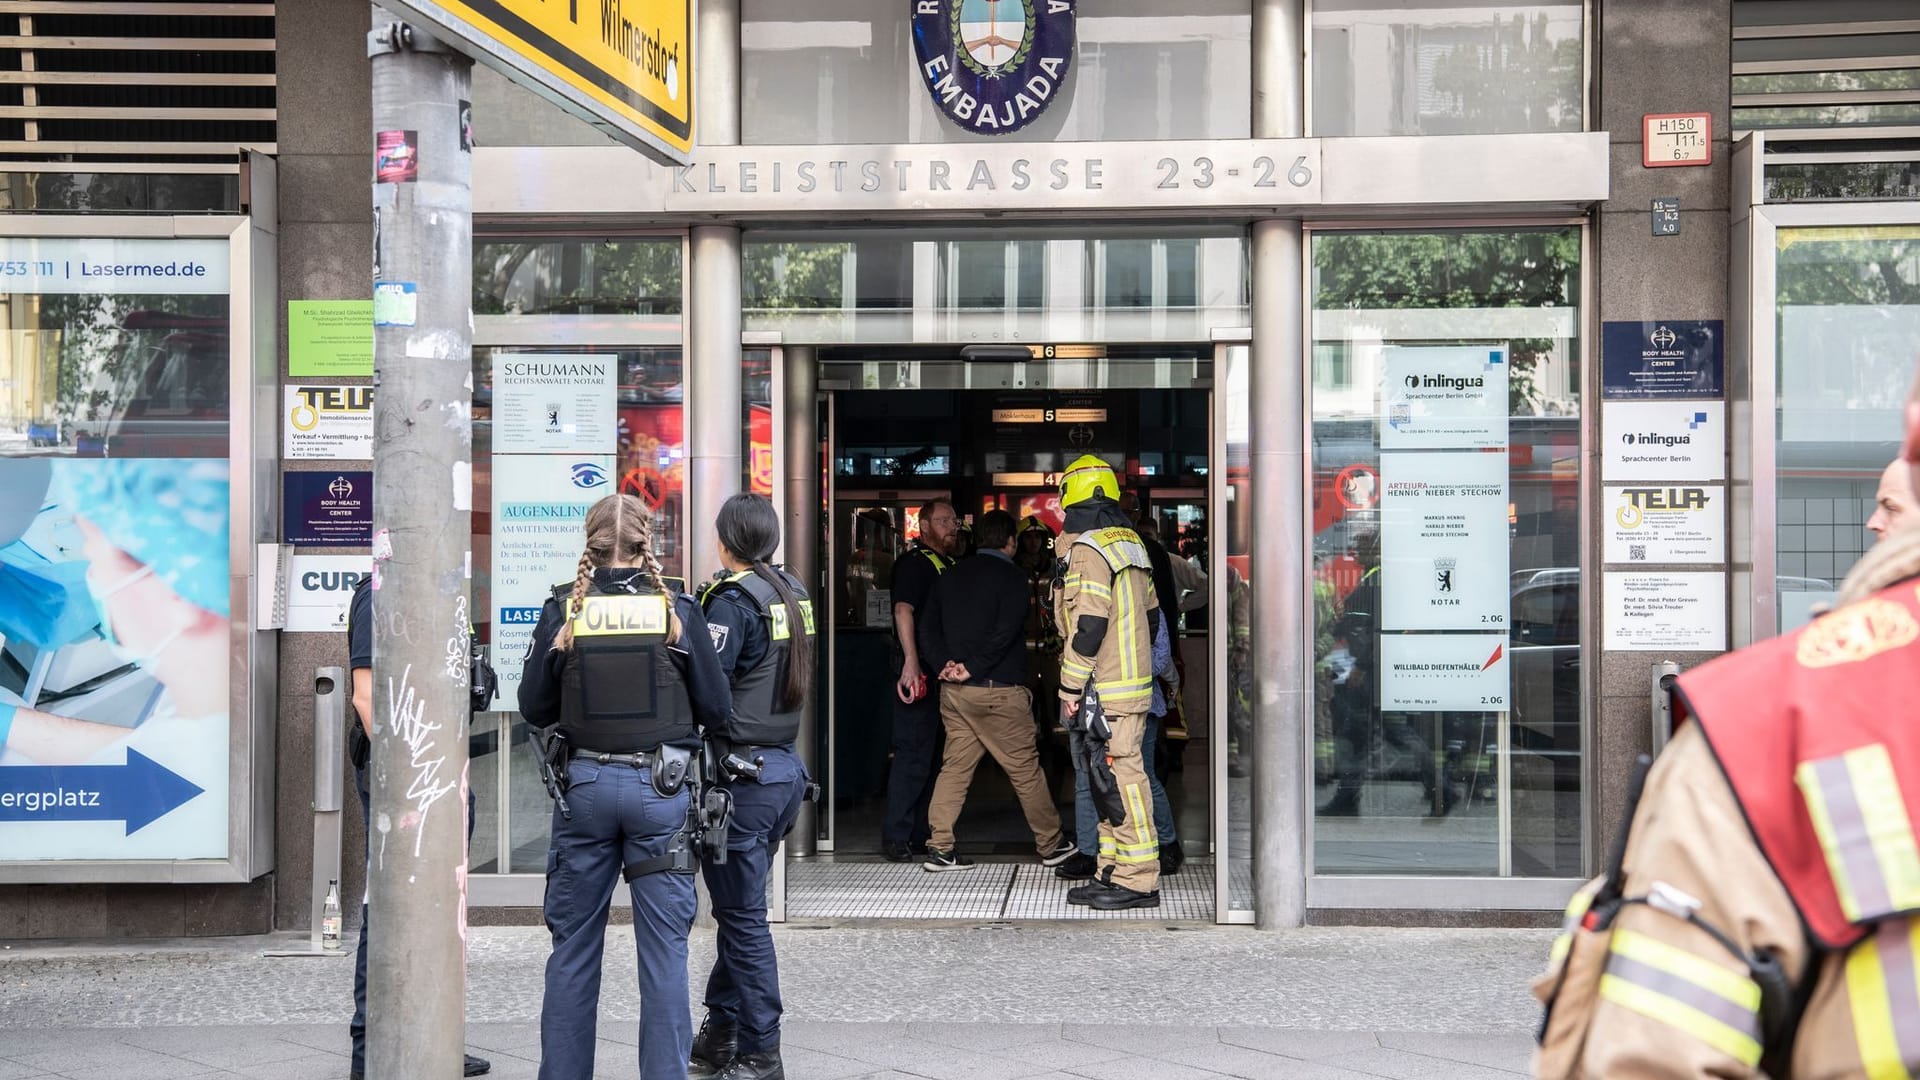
(974, 636)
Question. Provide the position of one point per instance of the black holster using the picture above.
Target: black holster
(671, 765)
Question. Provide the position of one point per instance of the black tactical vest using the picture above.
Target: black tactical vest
(621, 692)
(757, 716)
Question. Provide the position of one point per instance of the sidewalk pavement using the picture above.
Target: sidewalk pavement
(996, 1002)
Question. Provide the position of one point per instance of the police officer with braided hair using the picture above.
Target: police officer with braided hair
(762, 627)
(623, 671)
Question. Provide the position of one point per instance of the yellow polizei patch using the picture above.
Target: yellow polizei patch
(602, 616)
(782, 625)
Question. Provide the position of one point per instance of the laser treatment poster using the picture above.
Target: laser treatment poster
(114, 603)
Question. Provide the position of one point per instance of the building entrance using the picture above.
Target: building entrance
(990, 430)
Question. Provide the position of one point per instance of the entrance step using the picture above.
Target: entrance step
(827, 889)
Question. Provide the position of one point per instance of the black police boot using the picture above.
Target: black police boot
(713, 1047)
(757, 1065)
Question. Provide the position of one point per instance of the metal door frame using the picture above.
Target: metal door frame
(1220, 630)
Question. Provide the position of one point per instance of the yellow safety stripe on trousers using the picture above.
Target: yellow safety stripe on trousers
(1861, 819)
(1883, 988)
(1139, 805)
(1691, 993)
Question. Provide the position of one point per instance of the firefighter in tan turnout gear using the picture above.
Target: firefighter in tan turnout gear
(1104, 603)
(1763, 917)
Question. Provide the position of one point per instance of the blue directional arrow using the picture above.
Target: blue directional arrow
(138, 792)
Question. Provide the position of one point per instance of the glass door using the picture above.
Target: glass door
(1229, 626)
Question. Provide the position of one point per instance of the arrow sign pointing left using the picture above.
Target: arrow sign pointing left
(139, 792)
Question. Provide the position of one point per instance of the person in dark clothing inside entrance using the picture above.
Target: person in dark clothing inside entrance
(916, 715)
(1359, 725)
(972, 634)
(359, 754)
(624, 671)
(762, 626)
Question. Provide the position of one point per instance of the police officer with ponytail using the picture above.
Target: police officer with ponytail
(763, 630)
(622, 672)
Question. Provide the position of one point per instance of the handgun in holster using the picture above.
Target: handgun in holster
(550, 756)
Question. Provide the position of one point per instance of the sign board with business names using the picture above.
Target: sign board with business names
(328, 423)
(1444, 673)
(320, 590)
(1667, 441)
(1662, 358)
(1449, 397)
(1681, 612)
(1666, 523)
(624, 66)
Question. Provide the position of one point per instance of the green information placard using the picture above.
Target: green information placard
(329, 337)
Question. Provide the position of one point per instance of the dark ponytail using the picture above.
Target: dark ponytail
(749, 528)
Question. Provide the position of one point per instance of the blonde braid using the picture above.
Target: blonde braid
(564, 639)
(650, 565)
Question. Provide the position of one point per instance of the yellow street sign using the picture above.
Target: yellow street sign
(625, 66)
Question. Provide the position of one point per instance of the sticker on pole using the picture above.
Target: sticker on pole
(395, 303)
(396, 157)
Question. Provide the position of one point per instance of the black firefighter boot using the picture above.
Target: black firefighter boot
(755, 1065)
(713, 1047)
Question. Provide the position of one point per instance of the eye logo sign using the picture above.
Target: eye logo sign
(586, 474)
(993, 66)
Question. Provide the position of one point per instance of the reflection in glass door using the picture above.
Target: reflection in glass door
(1446, 664)
(1231, 703)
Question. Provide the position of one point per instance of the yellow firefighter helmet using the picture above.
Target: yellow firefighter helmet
(1085, 478)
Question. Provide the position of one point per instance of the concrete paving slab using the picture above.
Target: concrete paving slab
(1403, 1065)
(1512, 1052)
(1306, 1045)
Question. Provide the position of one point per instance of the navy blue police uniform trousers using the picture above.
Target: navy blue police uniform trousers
(357, 1029)
(917, 738)
(745, 984)
(618, 818)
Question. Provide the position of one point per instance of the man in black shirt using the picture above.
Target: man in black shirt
(916, 710)
(359, 751)
(973, 635)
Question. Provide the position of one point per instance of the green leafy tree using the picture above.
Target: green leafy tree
(1518, 77)
(1507, 269)
(566, 277)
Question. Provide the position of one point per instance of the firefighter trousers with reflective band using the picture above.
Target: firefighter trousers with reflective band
(618, 819)
(1130, 851)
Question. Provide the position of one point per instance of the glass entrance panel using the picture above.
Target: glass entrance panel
(1230, 621)
(1447, 727)
(1848, 315)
